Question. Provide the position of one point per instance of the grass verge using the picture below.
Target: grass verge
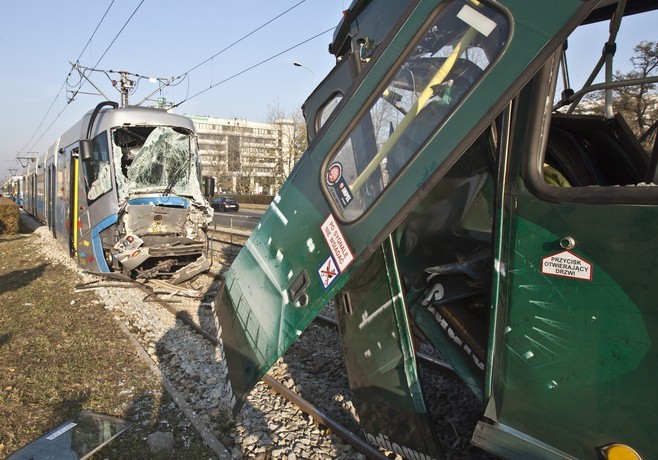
(61, 352)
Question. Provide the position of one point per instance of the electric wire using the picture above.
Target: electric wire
(243, 37)
(108, 48)
(82, 82)
(237, 74)
(184, 74)
(67, 77)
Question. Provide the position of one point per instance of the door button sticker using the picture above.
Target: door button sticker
(335, 180)
(566, 265)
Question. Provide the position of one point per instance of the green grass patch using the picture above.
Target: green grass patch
(61, 352)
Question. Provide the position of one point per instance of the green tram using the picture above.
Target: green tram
(456, 188)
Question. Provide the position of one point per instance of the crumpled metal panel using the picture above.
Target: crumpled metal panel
(150, 219)
(190, 270)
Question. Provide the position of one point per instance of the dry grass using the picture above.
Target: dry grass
(61, 352)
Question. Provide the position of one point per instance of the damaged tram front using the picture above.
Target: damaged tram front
(126, 181)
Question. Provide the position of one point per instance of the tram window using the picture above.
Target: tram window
(327, 109)
(448, 59)
(98, 179)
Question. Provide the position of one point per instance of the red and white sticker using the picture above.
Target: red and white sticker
(328, 272)
(566, 265)
(337, 243)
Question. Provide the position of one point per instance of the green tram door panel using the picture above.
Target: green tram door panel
(425, 94)
(575, 342)
(380, 359)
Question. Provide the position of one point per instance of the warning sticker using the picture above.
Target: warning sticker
(337, 243)
(567, 265)
(328, 272)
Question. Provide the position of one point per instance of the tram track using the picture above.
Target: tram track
(311, 376)
(318, 415)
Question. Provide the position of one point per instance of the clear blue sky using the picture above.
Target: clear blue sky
(166, 38)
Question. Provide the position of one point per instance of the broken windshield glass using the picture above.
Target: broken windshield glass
(163, 160)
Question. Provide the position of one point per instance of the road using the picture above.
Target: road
(244, 218)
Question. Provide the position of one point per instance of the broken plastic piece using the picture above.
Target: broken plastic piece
(133, 259)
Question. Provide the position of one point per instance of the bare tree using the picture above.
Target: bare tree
(292, 139)
(638, 103)
(215, 162)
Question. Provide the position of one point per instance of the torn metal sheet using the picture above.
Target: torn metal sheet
(77, 438)
(188, 271)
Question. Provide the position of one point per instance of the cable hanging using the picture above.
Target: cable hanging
(243, 37)
(82, 82)
(253, 66)
(67, 78)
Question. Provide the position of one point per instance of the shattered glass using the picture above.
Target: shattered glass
(123, 183)
(76, 439)
(165, 163)
(102, 184)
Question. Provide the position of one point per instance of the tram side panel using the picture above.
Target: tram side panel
(97, 209)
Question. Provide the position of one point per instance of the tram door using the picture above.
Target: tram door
(392, 139)
(51, 196)
(574, 347)
(65, 198)
(73, 200)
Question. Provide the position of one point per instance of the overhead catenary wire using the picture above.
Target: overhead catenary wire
(226, 48)
(108, 48)
(82, 79)
(237, 74)
(179, 79)
(67, 77)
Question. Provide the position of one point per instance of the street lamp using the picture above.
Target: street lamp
(299, 64)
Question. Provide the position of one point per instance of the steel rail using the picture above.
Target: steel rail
(306, 407)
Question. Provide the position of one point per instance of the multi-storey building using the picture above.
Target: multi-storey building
(245, 156)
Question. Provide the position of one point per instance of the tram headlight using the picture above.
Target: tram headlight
(620, 452)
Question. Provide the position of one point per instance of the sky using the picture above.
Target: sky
(164, 38)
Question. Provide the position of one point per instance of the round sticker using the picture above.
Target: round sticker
(334, 173)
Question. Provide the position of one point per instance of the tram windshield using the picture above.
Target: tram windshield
(156, 160)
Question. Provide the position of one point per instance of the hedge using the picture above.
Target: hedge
(9, 216)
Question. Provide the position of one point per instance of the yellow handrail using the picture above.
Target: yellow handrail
(415, 109)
